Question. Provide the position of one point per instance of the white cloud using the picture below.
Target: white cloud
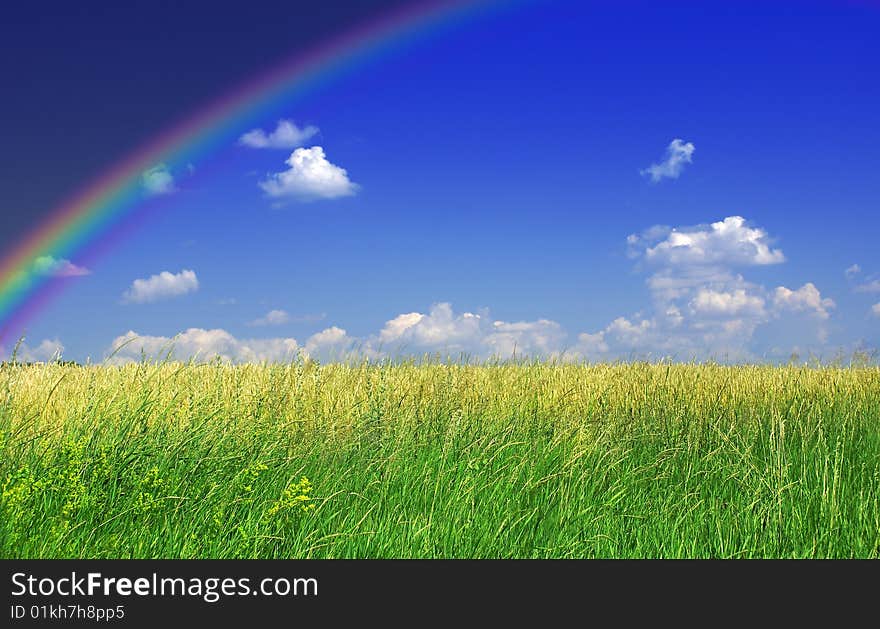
(201, 345)
(161, 286)
(285, 136)
(332, 336)
(672, 316)
(590, 345)
(627, 332)
(805, 299)
(876, 309)
(699, 309)
(158, 180)
(701, 306)
(309, 177)
(48, 350)
(678, 153)
(334, 344)
(730, 242)
(852, 271)
(396, 327)
(734, 303)
(58, 267)
(441, 330)
(525, 338)
(206, 345)
(273, 317)
(716, 324)
(670, 283)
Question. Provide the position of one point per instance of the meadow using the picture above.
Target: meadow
(161, 460)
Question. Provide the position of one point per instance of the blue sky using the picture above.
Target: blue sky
(594, 180)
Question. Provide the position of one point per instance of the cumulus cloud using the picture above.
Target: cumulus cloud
(397, 327)
(852, 271)
(678, 153)
(334, 344)
(273, 317)
(727, 304)
(310, 176)
(713, 324)
(161, 286)
(680, 337)
(628, 332)
(47, 351)
(285, 136)
(729, 243)
(525, 338)
(805, 299)
(439, 331)
(158, 180)
(591, 345)
(699, 308)
(201, 345)
(702, 306)
(58, 267)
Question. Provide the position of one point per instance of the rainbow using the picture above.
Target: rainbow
(83, 224)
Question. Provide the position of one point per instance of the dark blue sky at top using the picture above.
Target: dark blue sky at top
(498, 157)
(85, 83)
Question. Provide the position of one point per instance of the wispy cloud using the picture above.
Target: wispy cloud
(285, 136)
(58, 267)
(163, 285)
(308, 318)
(158, 180)
(869, 284)
(678, 153)
(310, 176)
(869, 287)
(876, 309)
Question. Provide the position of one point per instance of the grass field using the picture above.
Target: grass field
(434, 460)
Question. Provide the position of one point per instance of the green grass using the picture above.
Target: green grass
(434, 460)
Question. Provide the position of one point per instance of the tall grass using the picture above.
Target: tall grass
(439, 460)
